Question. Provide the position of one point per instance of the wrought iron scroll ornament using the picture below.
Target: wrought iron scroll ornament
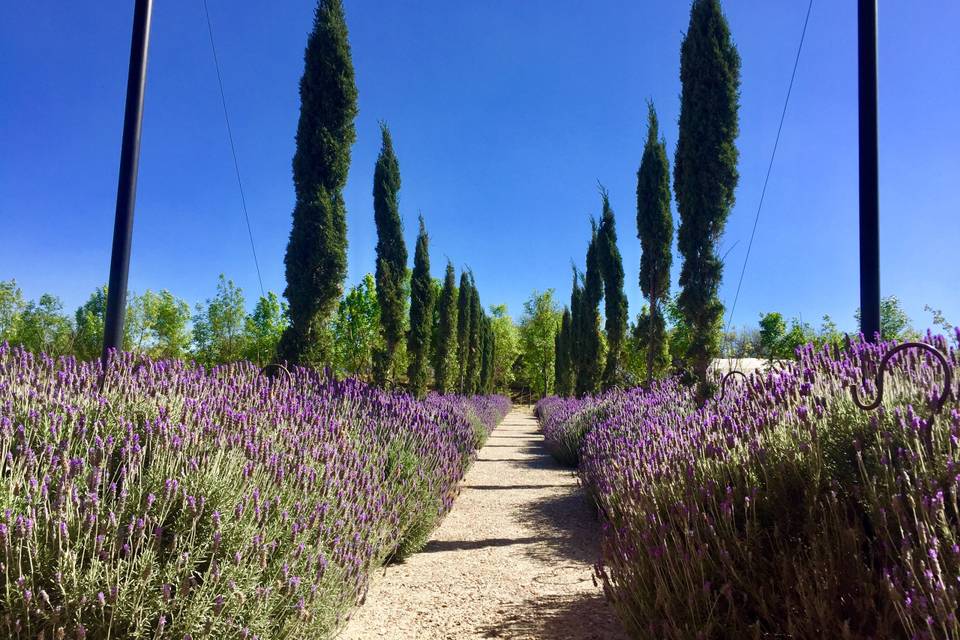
(723, 381)
(274, 368)
(938, 404)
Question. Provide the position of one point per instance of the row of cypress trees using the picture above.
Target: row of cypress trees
(459, 354)
(704, 180)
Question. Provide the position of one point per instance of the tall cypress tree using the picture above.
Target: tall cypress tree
(475, 347)
(421, 316)
(464, 308)
(705, 173)
(445, 349)
(655, 231)
(588, 374)
(615, 300)
(576, 333)
(391, 255)
(563, 370)
(486, 356)
(316, 257)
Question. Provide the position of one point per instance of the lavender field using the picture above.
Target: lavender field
(781, 510)
(180, 502)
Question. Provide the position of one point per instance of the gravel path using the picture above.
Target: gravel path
(513, 559)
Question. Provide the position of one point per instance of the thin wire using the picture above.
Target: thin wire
(773, 155)
(233, 149)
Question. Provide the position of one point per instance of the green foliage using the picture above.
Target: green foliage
(615, 300)
(563, 364)
(464, 311)
(445, 345)
(475, 346)
(316, 257)
(655, 231)
(42, 327)
(576, 329)
(421, 316)
(487, 354)
(589, 345)
(89, 322)
(772, 331)
(12, 305)
(652, 340)
(894, 321)
(538, 329)
(705, 172)
(263, 329)
(218, 326)
(506, 340)
(356, 330)
(391, 255)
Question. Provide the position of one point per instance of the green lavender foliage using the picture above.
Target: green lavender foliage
(705, 172)
(391, 254)
(445, 348)
(421, 316)
(655, 231)
(615, 299)
(316, 257)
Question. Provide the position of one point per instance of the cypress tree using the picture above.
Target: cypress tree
(391, 255)
(615, 300)
(445, 349)
(486, 356)
(421, 315)
(563, 361)
(464, 308)
(316, 256)
(705, 173)
(588, 374)
(655, 231)
(477, 318)
(576, 317)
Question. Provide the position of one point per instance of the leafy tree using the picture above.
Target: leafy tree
(506, 347)
(563, 366)
(421, 316)
(894, 321)
(679, 332)
(445, 345)
(829, 334)
(263, 329)
(12, 306)
(538, 327)
(772, 331)
(356, 330)
(475, 341)
(615, 300)
(588, 367)
(655, 231)
(799, 334)
(464, 310)
(89, 321)
(650, 333)
(705, 172)
(218, 326)
(939, 320)
(487, 354)
(391, 255)
(316, 257)
(576, 330)
(43, 328)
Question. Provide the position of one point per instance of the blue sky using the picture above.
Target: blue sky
(504, 116)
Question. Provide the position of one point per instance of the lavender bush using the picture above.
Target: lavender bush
(784, 510)
(182, 503)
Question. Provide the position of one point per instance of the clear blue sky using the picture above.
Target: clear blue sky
(504, 116)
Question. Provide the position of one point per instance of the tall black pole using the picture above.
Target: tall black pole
(127, 184)
(869, 179)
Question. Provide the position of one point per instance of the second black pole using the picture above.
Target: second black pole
(869, 172)
(127, 183)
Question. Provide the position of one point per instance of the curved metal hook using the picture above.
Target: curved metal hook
(267, 368)
(723, 381)
(944, 363)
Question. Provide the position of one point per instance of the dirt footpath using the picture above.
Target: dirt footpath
(513, 559)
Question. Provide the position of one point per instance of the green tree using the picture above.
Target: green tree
(487, 354)
(445, 346)
(218, 326)
(464, 310)
(538, 328)
(263, 329)
(773, 328)
(421, 316)
(316, 257)
(12, 306)
(506, 347)
(576, 330)
(705, 173)
(563, 365)
(391, 255)
(615, 300)
(170, 322)
(88, 320)
(588, 367)
(679, 332)
(894, 321)
(43, 328)
(475, 347)
(650, 334)
(655, 231)
(356, 330)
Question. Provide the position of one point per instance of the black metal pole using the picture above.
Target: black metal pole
(127, 183)
(869, 172)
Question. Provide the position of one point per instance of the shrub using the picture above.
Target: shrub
(188, 503)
